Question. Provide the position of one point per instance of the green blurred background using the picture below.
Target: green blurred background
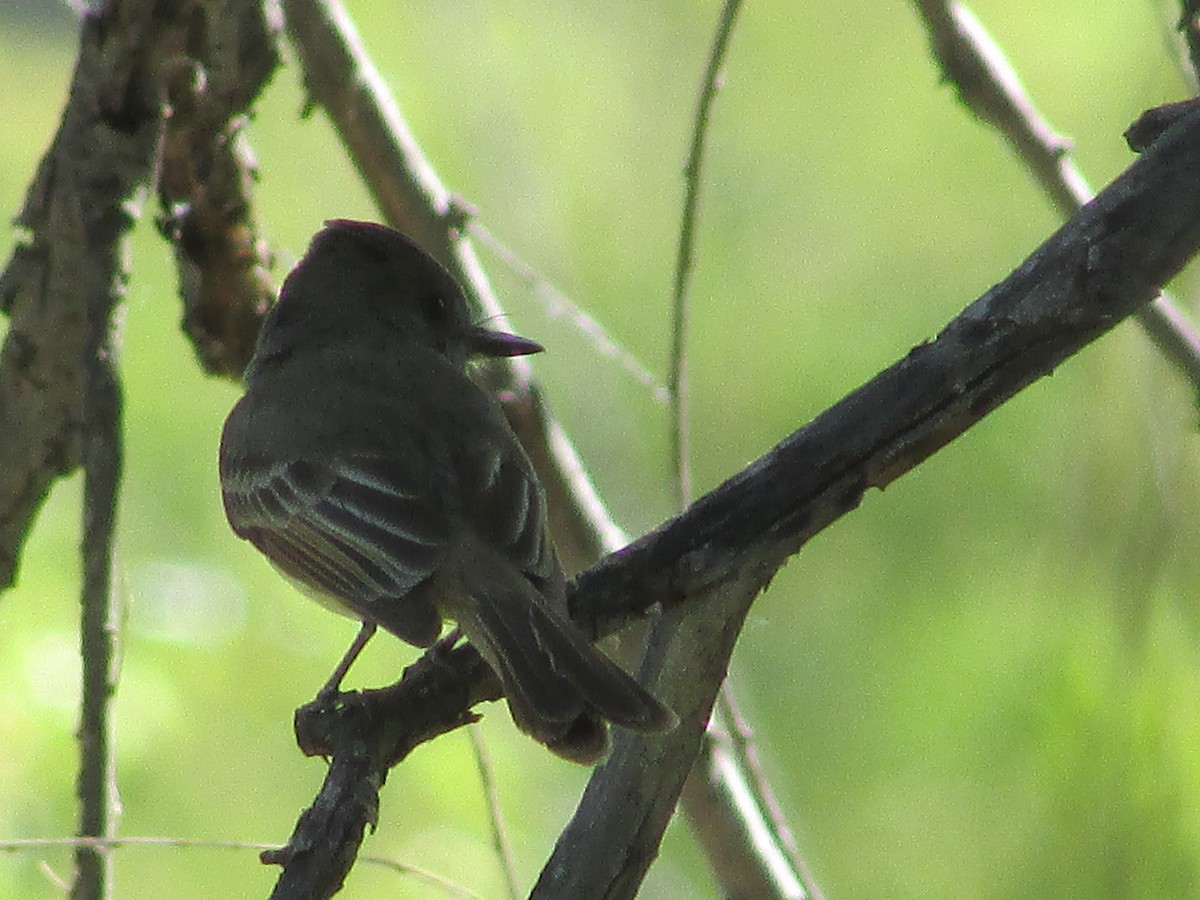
(981, 684)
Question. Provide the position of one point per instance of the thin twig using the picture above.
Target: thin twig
(751, 828)
(677, 384)
(754, 848)
(726, 799)
(100, 621)
(991, 89)
(559, 305)
(487, 780)
(112, 843)
(1189, 27)
(746, 767)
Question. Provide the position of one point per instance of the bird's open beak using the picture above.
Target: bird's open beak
(485, 342)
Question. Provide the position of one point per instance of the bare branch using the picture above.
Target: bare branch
(677, 366)
(104, 149)
(437, 882)
(715, 557)
(559, 305)
(99, 157)
(631, 797)
(61, 398)
(206, 175)
(365, 734)
(1189, 26)
(752, 847)
(988, 85)
(1097, 269)
(491, 794)
(100, 628)
(745, 839)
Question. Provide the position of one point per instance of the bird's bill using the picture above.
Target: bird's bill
(485, 342)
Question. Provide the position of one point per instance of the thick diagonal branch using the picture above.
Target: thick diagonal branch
(989, 87)
(1110, 259)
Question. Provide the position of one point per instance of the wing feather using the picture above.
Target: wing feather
(359, 533)
(505, 505)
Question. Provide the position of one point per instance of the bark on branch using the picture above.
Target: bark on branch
(205, 60)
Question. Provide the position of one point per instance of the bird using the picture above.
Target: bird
(368, 467)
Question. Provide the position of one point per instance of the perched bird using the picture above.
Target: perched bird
(367, 466)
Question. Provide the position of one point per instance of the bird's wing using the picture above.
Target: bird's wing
(504, 504)
(360, 532)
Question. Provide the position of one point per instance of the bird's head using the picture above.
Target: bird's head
(361, 276)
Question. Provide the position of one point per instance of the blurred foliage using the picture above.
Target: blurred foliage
(981, 684)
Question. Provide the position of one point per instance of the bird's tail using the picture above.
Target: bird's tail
(557, 683)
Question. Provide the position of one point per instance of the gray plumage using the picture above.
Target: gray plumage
(366, 465)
